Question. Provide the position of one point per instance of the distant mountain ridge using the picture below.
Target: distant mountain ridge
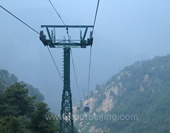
(140, 91)
(22, 109)
(7, 79)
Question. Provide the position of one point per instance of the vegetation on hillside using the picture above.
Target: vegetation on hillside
(22, 109)
(140, 90)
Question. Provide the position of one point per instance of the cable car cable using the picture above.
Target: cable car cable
(97, 8)
(90, 59)
(89, 74)
(75, 74)
(71, 50)
(54, 63)
(20, 20)
(60, 18)
(57, 12)
(35, 32)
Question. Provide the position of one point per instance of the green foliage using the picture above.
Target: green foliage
(16, 98)
(19, 113)
(39, 123)
(2, 87)
(35, 92)
(144, 92)
(12, 124)
(7, 78)
(21, 107)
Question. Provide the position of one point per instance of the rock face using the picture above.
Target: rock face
(129, 101)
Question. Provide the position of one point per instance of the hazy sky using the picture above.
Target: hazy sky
(126, 31)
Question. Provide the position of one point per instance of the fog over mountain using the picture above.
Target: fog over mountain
(126, 31)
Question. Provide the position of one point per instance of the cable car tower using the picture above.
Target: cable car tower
(66, 114)
(49, 40)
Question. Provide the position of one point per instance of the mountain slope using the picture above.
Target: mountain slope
(7, 79)
(22, 109)
(136, 100)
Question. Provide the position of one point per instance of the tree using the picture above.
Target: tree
(12, 124)
(16, 101)
(21, 113)
(2, 88)
(7, 78)
(35, 92)
(39, 123)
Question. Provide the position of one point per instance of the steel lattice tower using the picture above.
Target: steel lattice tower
(66, 114)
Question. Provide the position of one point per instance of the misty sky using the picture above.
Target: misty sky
(126, 31)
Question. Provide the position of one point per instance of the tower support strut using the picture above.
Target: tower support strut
(66, 122)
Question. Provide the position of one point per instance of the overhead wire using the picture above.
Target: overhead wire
(89, 74)
(90, 58)
(20, 20)
(57, 12)
(60, 18)
(75, 75)
(35, 32)
(97, 8)
(54, 63)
